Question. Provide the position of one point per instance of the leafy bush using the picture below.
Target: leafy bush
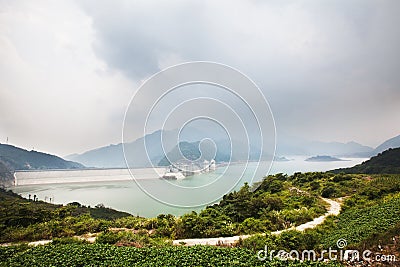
(128, 238)
(68, 240)
(358, 224)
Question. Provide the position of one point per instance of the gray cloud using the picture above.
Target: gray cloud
(328, 68)
(317, 61)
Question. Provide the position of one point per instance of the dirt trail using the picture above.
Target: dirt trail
(334, 209)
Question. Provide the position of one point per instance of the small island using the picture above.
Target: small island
(281, 158)
(323, 159)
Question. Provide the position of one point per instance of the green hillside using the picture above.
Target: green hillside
(359, 223)
(371, 208)
(20, 159)
(385, 162)
(24, 220)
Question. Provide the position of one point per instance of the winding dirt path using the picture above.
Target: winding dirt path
(334, 209)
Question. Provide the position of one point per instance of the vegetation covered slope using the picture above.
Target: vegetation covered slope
(20, 159)
(370, 218)
(385, 162)
(275, 205)
(278, 202)
(371, 209)
(27, 220)
(359, 223)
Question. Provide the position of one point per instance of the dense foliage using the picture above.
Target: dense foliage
(385, 162)
(27, 220)
(370, 216)
(278, 202)
(275, 205)
(107, 255)
(357, 224)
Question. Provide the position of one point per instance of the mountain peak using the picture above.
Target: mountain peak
(393, 142)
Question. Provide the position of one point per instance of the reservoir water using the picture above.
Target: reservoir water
(123, 193)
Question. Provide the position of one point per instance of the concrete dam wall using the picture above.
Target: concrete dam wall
(82, 176)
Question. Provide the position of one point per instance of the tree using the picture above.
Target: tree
(328, 191)
(252, 225)
(190, 226)
(100, 206)
(75, 204)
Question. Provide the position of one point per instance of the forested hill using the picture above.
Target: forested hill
(385, 162)
(41, 218)
(15, 158)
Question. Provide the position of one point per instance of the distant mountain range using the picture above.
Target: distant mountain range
(112, 155)
(299, 146)
(391, 143)
(386, 162)
(14, 158)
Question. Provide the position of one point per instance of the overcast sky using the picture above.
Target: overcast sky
(329, 69)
